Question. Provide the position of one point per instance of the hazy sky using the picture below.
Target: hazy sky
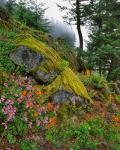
(54, 12)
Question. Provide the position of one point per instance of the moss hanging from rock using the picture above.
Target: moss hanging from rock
(66, 78)
(70, 82)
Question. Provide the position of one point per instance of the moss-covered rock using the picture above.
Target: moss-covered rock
(65, 78)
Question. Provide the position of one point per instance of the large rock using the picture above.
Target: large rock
(29, 58)
(32, 60)
(62, 96)
(45, 77)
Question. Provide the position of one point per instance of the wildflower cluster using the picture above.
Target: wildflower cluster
(9, 110)
(21, 97)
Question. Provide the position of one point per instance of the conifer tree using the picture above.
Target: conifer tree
(104, 45)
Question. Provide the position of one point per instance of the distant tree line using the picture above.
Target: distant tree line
(32, 13)
(29, 12)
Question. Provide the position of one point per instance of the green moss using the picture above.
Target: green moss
(67, 79)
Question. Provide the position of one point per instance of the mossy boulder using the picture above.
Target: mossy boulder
(53, 69)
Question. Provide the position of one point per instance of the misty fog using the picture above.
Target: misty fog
(2, 2)
(61, 29)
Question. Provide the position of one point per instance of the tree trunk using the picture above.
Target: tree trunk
(79, 24)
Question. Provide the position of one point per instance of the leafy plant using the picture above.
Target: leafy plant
(5, 62)
(86, 135)
(11, 138)
(28, 145)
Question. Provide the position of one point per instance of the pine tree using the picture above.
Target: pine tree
(38, 10)
(10, 6)
(104, 45)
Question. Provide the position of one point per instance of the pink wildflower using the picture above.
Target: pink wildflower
(28, 87)
(42, 110)
(9, 102)
(38, 122)
(4, 110)
(2, 98)
(5, 125)
(30, 125)
(20, 100)
(46, 120)
(29, 95)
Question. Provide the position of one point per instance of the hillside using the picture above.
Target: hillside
(45, 104)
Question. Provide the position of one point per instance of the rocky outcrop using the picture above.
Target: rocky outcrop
(46, 65)
(31, 60)
(26, 56)
(62, 96)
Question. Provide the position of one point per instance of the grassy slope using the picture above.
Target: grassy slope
(95, 126)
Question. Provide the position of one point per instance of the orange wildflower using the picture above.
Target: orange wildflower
(24, 93)
(52, 122)
(115, 118)
(38, 92)
(50, 106)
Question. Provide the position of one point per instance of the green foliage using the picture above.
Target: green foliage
(86, 135)
(6, 47)
(98, 81)
(68, 110)
(18, 127)
(10, 6)
(63, 64)
(11, 139)
(29, 12)
(28, 145)
(117, 98)
(20, 70)
(79, 135)
(5, 63)
(94, 80)
(112, 136)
